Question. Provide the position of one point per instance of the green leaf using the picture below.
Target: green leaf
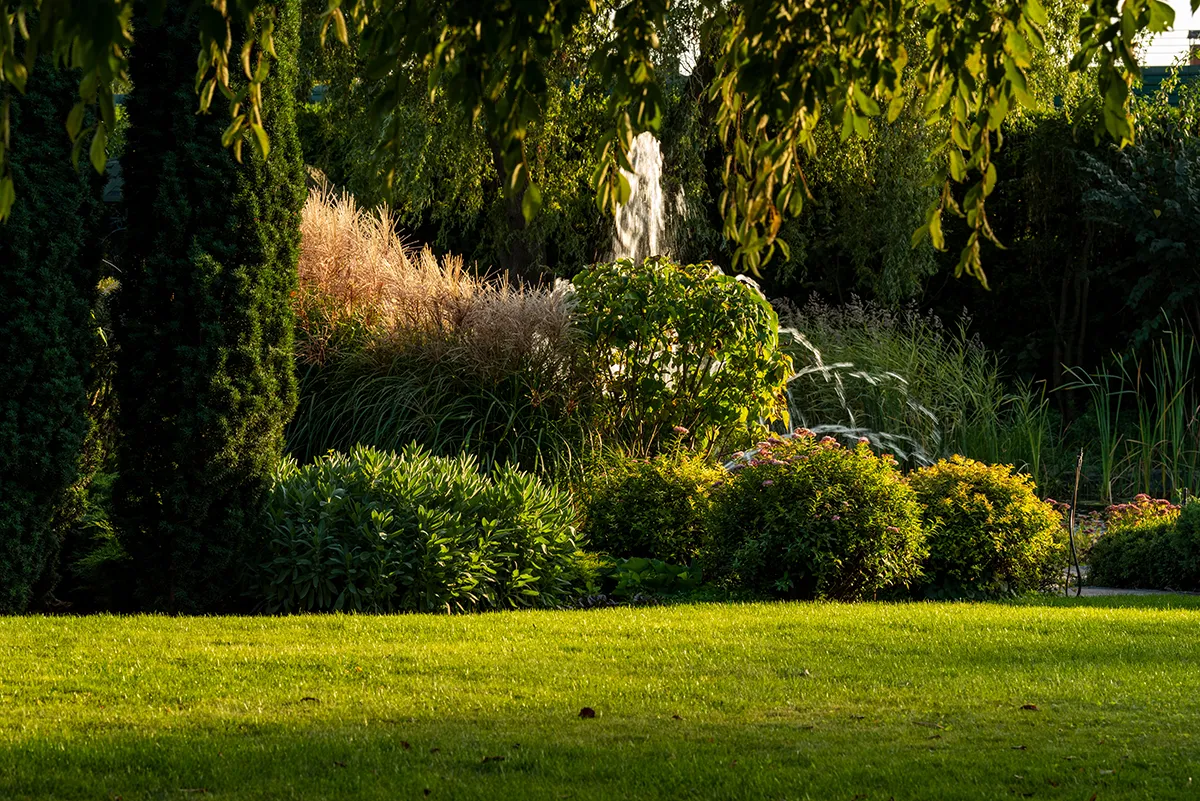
(1036, 12)
(262, 142)
(1162, 16)
(97, 154)
(8, 195)
(75, 120)
(531, 202)
(865, 102)
(935, 230)
(958, 167)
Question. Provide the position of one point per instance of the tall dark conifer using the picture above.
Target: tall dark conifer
(48, 271)
(206, 380)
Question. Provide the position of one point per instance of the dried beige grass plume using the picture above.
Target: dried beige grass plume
(357, 272)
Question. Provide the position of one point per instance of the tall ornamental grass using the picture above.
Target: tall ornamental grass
(913, 386)
(397, 345)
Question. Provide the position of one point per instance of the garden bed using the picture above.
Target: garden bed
(1092, 698)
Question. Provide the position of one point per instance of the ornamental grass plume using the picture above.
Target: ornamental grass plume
(364, 288)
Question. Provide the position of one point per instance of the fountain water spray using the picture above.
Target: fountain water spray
(641, 224)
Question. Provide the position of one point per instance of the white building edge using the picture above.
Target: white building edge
(1180, 44)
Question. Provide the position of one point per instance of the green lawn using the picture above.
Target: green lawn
(767, 701)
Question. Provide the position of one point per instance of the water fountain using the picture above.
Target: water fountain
(641, 224)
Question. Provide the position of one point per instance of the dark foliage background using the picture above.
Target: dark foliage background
(48, 269)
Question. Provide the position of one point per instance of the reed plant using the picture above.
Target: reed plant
(1146, 407)
(907, 381)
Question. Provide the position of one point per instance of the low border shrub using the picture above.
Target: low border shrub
(375, 531)
(989, 534)
(808, 518)
(656, 508)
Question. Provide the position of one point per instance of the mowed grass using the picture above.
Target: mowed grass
(759, 701)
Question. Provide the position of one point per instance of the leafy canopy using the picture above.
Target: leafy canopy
(780, 66)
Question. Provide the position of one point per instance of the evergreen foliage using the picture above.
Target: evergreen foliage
(47, 274)
(206, 382)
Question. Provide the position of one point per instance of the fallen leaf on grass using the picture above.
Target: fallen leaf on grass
(587, 712)
(1030, 707)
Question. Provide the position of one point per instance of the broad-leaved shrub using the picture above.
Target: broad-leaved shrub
(679, 345)
(989, 534)
(807, 518)
(378, 531)
(655, 508)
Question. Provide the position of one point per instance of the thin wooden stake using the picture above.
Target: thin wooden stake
(1071, 536)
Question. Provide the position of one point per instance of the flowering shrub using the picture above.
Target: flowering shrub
(800, 517)
(1141, 546)
(989, 534)
(374, 531)
(655, 508)
(1143, 510)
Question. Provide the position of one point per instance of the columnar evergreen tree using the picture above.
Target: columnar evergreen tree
(47, 278)
(206, 383)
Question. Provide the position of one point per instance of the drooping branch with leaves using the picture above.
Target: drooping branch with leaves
(782, 65)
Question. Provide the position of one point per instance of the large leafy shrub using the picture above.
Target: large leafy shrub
(808, 518)
(1142, 546)
(48, 270)
(680, 345)
(376, 531)
(988, 533)
(656, 508)
(206, 378)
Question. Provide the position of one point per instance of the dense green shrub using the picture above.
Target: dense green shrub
(988, 533)
(808, 518)
(48, 272)
(376, 531)
(680, 346)
(656, 508)
(206, 380)
(1141, 546)
(1186, 544)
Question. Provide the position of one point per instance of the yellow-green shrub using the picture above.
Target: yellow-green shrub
(655, 508)
(988, 533)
